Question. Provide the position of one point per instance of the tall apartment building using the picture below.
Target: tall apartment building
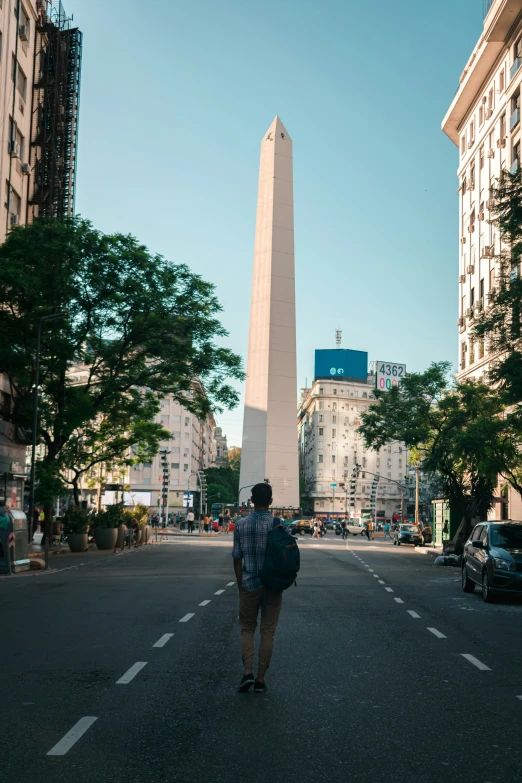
(191, 447)
(330, 446)
(40, 62)
(483, 121)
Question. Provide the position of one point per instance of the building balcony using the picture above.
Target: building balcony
(514, 68)
(514, 167)
(514, 119)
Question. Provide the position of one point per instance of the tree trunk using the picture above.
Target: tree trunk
(47, 525)
(76, 491)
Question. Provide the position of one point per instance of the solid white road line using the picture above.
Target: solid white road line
(399, 600)
(204, 603)
(389, 589)
(436, 633)
(187, 617)
(131, 673)
(413, 614)
(72, 736)
(218, 592)
(476, 662)
(381, 581)
(162, 641)
(230, 584)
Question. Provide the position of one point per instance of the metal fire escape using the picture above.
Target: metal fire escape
(56, 103)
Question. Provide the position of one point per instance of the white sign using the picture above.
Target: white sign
(389, 374)
(129, 498)
(188, 500)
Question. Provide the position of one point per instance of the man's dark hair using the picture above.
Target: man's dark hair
(261, 494)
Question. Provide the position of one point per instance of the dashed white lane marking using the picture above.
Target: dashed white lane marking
(398, 600)
(230, 584)
(519, 697)
(376, 576)
(162, 641)
(413, 614)
(204, 603)
(72, 736)
(187, 617)
(370, 570)
(131, 673)
(218, 592)
(381, 581)
(476, 662)
(389, 589)
(436, 633)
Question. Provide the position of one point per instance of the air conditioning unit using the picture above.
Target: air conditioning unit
(488, 113)
(462, 279)
(14, 220)
(23, 32)
(490, 203)
(25, 168)
(470, 269)
(481, 216)
(491, 153)
(463, 240)
(487, 252)
(501, 143)
(14, 149)
(471, 228)
(460, 321)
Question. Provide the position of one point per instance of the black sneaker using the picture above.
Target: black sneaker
(246, 683)
(260, 687)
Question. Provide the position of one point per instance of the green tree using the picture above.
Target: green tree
(137, 327)
(461, 431)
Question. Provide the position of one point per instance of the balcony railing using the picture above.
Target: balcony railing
(514, 119)
(514, 68)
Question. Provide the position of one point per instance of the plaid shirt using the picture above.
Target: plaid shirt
(250, 539)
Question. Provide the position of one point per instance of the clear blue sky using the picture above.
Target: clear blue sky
(175, 98)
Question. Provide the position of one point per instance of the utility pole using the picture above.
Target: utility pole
(416, 494)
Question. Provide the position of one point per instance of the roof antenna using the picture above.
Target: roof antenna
(338, 337)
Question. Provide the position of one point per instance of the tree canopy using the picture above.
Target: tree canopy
(135, 328)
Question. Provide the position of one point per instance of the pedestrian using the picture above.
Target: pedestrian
(206, 523)
(202, 518)
(387, 531)
(250, 542)
(315, 534)
(190, 521)
(344, 529)
(220, 523)
(226, 522)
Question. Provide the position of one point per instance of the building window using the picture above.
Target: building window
(333, 457)
(463, 355)
(491, 279)
(481, 114)
(472, 297)
(334, 406)
(502, 80)
(491, 98)
(503, 126)
(335, 391)
(321, 418)
(185, 468)
(165, 421)
(174, 465)
(333, 433)
(472, 133)
(334, 419)
(321, 405)
(187, 421)
(19, 78)
(463, 145)
(321, 389)
(176, 418)
(145, 481)
(319, 458)
(481, 289)
(482, 157)
(321, 430)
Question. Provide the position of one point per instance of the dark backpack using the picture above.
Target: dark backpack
(282, 560)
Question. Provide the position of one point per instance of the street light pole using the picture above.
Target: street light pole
(416, 494)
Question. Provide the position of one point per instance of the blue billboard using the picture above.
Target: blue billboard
(341, 363)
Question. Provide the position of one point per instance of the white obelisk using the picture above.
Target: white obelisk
(270, 422)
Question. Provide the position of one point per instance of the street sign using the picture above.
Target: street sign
(333, 485)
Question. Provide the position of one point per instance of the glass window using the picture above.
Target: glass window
(174, 465)
(477, 533)
(321, 432)
(506, 536)
(185, 468)
(165, 420)
(319, 458)
(145, 481)
(187, 421)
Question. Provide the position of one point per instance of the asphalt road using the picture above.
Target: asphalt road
(368, 681)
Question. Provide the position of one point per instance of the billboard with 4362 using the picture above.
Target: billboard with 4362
(389, 374)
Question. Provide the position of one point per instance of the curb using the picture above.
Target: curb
(64, 551)
(430, 551)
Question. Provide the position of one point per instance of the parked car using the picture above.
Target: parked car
(492, 559)
(303, 526)
(407, 534)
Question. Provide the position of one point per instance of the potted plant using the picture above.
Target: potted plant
(106, 524)
(76, 525)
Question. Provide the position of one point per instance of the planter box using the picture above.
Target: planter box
(78, 542)
(106, 537)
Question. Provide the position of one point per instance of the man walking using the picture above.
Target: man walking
(190, 521)
(250, 541)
